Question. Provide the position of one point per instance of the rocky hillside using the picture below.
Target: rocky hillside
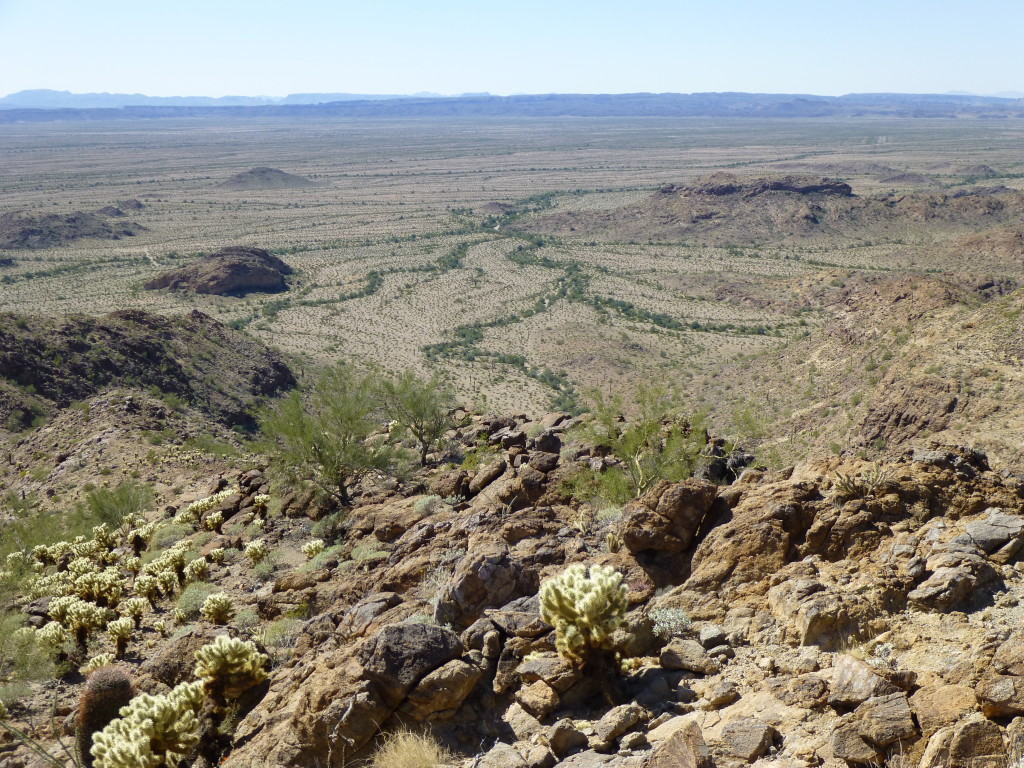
(48, 363)
(727, 209)
(900, 359)
(235, 270)
(24, 230)
(836, 613)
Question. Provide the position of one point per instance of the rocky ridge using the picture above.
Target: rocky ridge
(836, 613)
(21, 230)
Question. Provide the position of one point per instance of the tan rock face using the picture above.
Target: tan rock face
(667, 517)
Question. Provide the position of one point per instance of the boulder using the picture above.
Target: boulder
(400, 655)
(489, 576)
(686, 748)
(688, 655)
(667, 517)
(747, 738)
(939, 706)
(853, 682)
(442, 690)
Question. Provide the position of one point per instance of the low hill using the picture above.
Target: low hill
(48, 363)
(234, 270)
(24, 230)
(265, 178)
(726, 209)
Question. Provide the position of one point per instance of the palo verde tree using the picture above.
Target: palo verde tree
(323, 437)
(657, 443)
(422, 408)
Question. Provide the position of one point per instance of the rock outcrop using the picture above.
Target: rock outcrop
(234, 270)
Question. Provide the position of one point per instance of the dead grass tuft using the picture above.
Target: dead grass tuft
(408, 749)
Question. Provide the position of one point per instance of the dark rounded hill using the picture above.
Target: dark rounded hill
(235, 271)
(24, 230)
(265, 178)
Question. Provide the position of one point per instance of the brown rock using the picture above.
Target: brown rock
(938, 706)
(684, 749)
(487, 475)
(294, 580)
(487, 577)
(175, 660)
(667, 517)
(452, 483)
(747, 738)
(688, 655)
(564, 739)
(977, 743)
(443, 689)
(854, 682)
(538, 698)
(1001, 695)
(399, 656)
(615, 722)
(553, 670)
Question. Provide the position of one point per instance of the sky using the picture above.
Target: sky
(260, 48)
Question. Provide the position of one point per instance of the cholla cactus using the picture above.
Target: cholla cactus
(229, 666)
(53, 634)
(120, 632)
(132, 564)
(313, 548)
(101, 587)
(193, 511)
(104, 537)
(585, 608)
(214, 521)
(153, 731)
(3, 712)
(148, 586)
(160, 626)
(133, 608)
(168, 581)
(256, 551)
(216, 555)
(78, 617)
(218, 608)
(260, 501)
(196, 570)
(102, 660)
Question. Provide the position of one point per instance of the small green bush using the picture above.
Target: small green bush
(191, 601)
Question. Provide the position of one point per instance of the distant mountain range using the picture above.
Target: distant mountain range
(45, 106)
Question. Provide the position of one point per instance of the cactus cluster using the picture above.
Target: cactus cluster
(586, 606)
(218, 608)
(230, 665)
(256, 551)
(313, 548)
(152, 731)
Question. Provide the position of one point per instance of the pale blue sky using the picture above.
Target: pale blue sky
(216, 48)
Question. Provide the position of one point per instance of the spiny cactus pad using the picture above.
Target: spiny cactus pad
(586, 606)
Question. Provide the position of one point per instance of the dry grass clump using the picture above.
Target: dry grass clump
(408, 749)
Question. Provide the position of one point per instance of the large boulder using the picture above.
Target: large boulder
(667, 517)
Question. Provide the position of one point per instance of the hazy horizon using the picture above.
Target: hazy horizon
(232, 48)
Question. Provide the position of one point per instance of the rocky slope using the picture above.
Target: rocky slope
(727, 209)
(836, 613)
(235, 270)
(48, 363)
(24, 230)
